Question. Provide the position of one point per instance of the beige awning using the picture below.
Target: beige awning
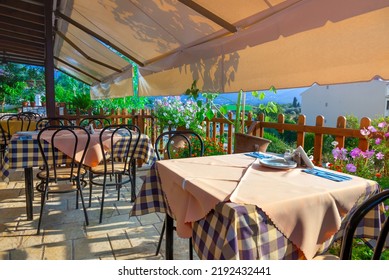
(226, 45)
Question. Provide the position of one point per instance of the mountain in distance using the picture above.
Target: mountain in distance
(282, 96)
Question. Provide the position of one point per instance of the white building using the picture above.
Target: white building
(366, 99)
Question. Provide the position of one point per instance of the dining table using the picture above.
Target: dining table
(13, 126)
(237, 207)
(23, 152)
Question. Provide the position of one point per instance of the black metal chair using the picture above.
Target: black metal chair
(166, 146)
(19, 127)
(352, 224)
(99, 122)
(3, 142)
(118, 157)
(357, 216)
(52, 121)
(55, 177)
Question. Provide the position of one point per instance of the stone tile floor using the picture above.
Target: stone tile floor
(64, 235)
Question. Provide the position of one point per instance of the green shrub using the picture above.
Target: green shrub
(211, 148)
(277, 145)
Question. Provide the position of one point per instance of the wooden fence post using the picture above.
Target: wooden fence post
(261, 129)
(363, 143)
(318, 146)
(281, 120)
(229, 134)
(341, 123)
(301, 134)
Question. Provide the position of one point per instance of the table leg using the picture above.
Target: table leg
(133, 178)
(169, 237)
(29, 189)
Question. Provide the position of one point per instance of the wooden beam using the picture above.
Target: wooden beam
(27, 61)
(20, 48)
(209, 15)
(49, 59)
(20, 41)
(70, 75)
(22, 31)
(19, 23)
(67, 40)
(23, 56)
(97, 36)
(23, 6)
(21, 45)
(22, 16)
(77, 69)
(22, 37)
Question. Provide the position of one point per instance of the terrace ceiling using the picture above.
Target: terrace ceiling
(226, 45)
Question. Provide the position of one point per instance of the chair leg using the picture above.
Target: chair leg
(83, 203)
(90, 188)
(160, 238)
(190, 249)
(76, 198)
(102, 199)
(43, 200)
(133, 178)
(119, 184)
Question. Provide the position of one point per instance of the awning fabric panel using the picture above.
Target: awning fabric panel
(284, 43)
(118, 86)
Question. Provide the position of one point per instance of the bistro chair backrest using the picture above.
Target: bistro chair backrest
(189, 143)
(52, 155)
(355, 219)
(53, 121)
(16, 122)
(3, 142)
(121, 152)
(95, 122)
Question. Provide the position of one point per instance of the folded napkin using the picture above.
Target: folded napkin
(258, 155)
(327, 175)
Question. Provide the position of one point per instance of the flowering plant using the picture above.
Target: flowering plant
(211, 148)
(171, 111)
(370, 164)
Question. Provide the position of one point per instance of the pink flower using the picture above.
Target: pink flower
(378, 141)
(351, 167)
(387, 135)
(356, 152)
(368, 154)
(372, 129)
(382, 124)
(380, 155)
(365, 132)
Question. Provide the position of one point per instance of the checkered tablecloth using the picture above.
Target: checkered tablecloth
(25, 153)
(234, 231)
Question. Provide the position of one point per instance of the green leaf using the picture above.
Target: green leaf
(262, 95)
(210, 114)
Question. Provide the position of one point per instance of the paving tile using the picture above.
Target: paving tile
(30, 253)
(58, 251)
(149, 219)
(4, 255)
(9, 242)
(92, 247)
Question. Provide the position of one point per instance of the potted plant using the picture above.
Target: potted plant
(43, 100)
(174, 113)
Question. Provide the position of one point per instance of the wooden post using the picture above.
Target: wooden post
(261, 129)
(301, 134)
(341, 123)
(229, 134)
(281, 119)
(318, 146)
(49, 59)
(363, 143)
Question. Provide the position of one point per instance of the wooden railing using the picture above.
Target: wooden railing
(223, 128)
